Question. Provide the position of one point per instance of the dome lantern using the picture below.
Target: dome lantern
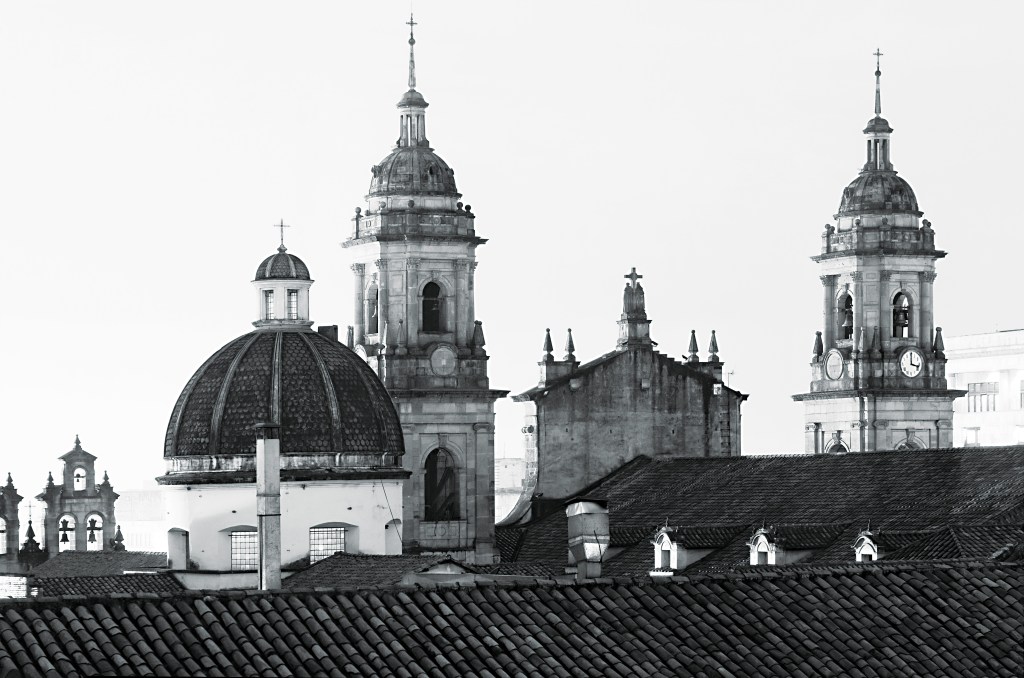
(282, 285)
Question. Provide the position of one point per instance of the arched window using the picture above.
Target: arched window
(441, 487)
(901, 316)
(79, 477)
(846, 317)
(325, 541)
(66, 529)
(665, 553)
(94, 532)
(3, 536)
(372, 318)
(431, 308)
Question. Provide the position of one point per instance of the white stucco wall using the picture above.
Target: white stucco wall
(209, 512)
(996, 357)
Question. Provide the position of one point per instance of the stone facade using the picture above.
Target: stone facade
(413, 253)
(587, 420)
(878, 371)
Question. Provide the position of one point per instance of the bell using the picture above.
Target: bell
(64, 538)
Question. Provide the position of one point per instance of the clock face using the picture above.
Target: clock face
(442, 361)
(911, 362)
(834, 365)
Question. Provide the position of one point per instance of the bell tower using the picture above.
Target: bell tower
(878, 371)
(413, 250)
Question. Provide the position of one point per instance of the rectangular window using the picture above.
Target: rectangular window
(268, 304)
(971, 436)
(981, 396)
(762, 557)
(324, 542)
(866, 557)
(245, 551)
(293, 304)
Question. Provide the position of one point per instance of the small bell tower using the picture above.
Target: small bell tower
(878, 371)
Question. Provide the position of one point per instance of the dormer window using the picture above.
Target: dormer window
(763, 547)
(866, 548)
(293, 304)
(268, 304)
(79, 479)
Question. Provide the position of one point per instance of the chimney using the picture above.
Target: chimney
(588, 535)
(329, 331)
(268, 504)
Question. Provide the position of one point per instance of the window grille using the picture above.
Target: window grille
(245, 551)
(324, 542)
(293, 304)
(268, 304)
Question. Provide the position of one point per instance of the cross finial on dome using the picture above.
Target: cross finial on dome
(878, 81)
(282, 226)
(412, 61)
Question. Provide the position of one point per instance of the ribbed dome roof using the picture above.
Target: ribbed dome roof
(878, 191)
(282, 265)
(413, 169)
(325, 397)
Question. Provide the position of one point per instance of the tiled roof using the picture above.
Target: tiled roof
(282, 265)
(955, 619)
(327, 399)
(347, 570)
(961, 541)
(105, 585)
(914, 490)
(99, 563)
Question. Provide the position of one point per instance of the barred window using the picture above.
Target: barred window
(268, 304)
(293, 304)
(981, 397)
(245, 551)
(324, 542)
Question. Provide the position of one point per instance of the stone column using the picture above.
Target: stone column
(268, 504)
(483, 492)
(925, 319)
(359, 328)
(811, 439)
(413, 302)
(461, 322)
(828, 284)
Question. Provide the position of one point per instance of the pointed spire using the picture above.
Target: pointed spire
(49, 479)
(876, 343)
(412, 57)
(10, 480)
(478, 341)
(938, 346)
(878, 83)
(570, 347)
(713, 349)
(106, 478)
(78, 444)
(860, 339)
(30, 533)
(692, 357)
(117, 543)
(819, 347)
(548, 346)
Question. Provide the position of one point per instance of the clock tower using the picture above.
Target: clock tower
(878, 372)
(414, 253)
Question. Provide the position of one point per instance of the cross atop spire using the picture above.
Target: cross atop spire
(412, 60)
(878, 81)
(282, 226)
(633, 276)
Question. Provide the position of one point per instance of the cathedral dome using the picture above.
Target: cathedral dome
(282, 265)
(327, 400)
(873, 192)
(412, 170)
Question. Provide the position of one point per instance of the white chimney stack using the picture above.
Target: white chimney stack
(268, 503)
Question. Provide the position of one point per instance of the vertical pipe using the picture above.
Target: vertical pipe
(268, 504)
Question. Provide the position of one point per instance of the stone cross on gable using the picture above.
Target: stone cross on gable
(633, 276)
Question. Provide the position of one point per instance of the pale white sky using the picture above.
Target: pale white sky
(147, 148)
